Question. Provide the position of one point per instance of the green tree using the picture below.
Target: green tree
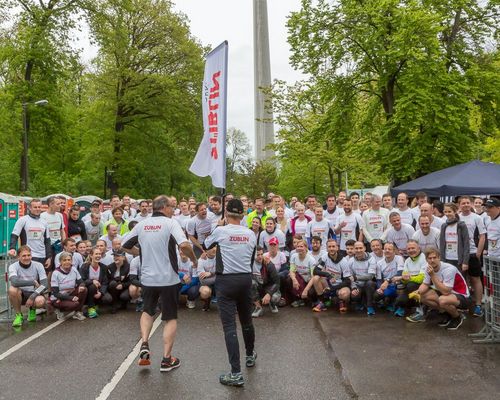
(412, 66)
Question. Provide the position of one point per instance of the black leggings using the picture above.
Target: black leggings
(121, 295)
(403, 300)
(365, 295)
(91, 301)
(234, 294)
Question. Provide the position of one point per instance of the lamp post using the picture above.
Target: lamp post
(24, 155)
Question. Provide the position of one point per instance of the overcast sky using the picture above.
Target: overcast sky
(213, 21)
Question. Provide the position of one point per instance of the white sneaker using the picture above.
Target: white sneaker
(258, 312)
(190, 304)
(79, 316)
(59, 314)
(40, 311)
(273, 307)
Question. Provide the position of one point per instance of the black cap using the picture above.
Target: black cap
(492, 202)
(235, 206)
(119, 252)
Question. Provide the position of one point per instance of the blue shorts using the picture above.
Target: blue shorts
(195, 281)
(391, 291)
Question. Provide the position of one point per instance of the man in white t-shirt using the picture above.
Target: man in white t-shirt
(349, 226)
(55, 221)
(477, 239)
(407, 215)
(319, 226)
(426, 236)
(399, 233)
(375, 220)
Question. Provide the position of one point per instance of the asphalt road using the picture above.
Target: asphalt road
(79, 360)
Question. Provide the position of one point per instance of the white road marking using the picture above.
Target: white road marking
(33, 337)
(122, 369)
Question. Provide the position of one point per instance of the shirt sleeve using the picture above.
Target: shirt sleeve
(133, 238)
(12, 270)
(41, 272)
(178, 233)
(427, 278)
(399, 263)
(449, 277)
(212, 239)
(19, 225)
(372, 266)
(293, 266)
(190, 226)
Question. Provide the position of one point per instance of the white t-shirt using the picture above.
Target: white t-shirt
(493, 232)
(278, 260)
(32, 232)
(65, 282)
(303, 267)
(474, 224)
(427, 241)
(354, 224)
(35, 272)
(451, 242)
(55, 222)
(158, 238)
(399, 238)
(319, 228)
(407, 216)
(375, 223)
(236, 246)
(207, 265)
(199, 228)
(388, 269)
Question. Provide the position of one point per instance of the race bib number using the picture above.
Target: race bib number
(451, 247)
(55, 234)
(34, 234)
(493, 244)
(346, 235)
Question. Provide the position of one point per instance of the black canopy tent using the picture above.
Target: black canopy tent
(472, 178)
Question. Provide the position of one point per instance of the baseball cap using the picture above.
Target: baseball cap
(492, 202)
(96, 203)
(118, 253)
(235, 206)
(274, 240)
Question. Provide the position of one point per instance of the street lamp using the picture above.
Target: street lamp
(24, 155)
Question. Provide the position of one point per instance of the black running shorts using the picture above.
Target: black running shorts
(474, 266)
(169, 300)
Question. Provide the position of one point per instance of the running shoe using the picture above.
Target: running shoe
(282, 302)
(214, 300)
(144, 354)
(190, 304)
(416, 317)
(298, 303)
(139, 306)
(370, 311)
(319, 307)
(32, 314)
(59, 314)
(168, 364)
(92, 312)
(360, 307)
(273, 307)
(41, 311)
(257, 312)
(206, 305)
(455, 323)
(250, 360)
(79, 316)
(390, 308)
(478, 311)
(18, 320)
(328, 303)
(342, 306)
(445, 321)
(400, 312)
(232, 379)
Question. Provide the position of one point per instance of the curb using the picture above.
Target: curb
(331, 345)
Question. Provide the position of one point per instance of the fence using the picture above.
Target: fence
(491, 330)
(5, 308)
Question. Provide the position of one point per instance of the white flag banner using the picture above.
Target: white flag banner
(210, 159)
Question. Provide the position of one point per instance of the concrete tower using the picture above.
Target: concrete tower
(264, 130)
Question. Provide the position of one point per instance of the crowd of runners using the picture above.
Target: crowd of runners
(345, 253)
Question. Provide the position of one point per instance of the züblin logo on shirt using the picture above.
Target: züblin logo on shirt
(244, 239)
(152, 227)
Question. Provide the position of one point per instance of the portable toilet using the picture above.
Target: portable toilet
(84, 202)
(9, 214)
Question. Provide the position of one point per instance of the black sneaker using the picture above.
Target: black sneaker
(250, 360)
(231, 379)
(445, 321)
(144, 354)
(455, 323)
(168, 364)
(206, 305)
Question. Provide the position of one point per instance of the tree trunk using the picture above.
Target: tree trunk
(331, 178)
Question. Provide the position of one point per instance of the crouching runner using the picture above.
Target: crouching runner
(444, 289)
(265, 285)
(331, 278)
